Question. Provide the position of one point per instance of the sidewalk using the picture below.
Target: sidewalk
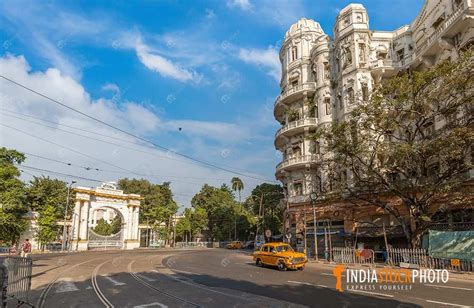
(452, 274)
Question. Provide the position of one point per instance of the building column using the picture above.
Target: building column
(76, 218)
(83, 222)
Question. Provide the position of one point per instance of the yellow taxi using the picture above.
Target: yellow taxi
(234, 245)
(281, 255)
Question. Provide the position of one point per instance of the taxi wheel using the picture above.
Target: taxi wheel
(259, 263)
(301, 268)
(281, 266)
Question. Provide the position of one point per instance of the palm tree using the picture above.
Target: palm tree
(237, 185)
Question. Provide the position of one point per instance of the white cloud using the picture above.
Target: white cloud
(186, 177)
(242, 4)
(112, 87)
(265, 58)
(163, 66)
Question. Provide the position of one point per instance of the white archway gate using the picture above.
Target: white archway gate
(88, 201)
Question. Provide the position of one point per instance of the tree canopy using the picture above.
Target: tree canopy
(13, 204)
(270, 216)
(222, 212)
(47, 197)
(157, 206)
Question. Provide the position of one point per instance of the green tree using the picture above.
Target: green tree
(103, 227)
(389, 147)
(47, 197)
(157, 207)
(116, 225)
(219, 205)
(270, 196)
(199, 220)
(183, 228)
(237, 185)
(12, 196)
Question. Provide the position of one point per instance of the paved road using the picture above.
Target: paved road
(209, 278)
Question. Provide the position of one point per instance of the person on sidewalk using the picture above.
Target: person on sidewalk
(25, 248)
(13, 249)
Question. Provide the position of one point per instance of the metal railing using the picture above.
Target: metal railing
(437, 33)
(298, 160)
(18, 283)
(419, 257)
(349, 255)
(194, 244)
(297, 123)
(308, 86)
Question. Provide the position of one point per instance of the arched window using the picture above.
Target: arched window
(294, 53)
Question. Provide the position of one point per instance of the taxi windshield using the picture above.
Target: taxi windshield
(283, 248)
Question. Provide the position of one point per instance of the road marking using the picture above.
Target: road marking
(327, 274)
(184, 272)
(146, 278)
(308, 284)
(155, 304)
(66, 285)
(450, 304)
(448, 287)
(374, 293)
(113, 281)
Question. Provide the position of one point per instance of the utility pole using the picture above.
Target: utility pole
(304, 218)
(259, 214)
(235, 226)
(63, 247)
(315, 228)
(174, 231)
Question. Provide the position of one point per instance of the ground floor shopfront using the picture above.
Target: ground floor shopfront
(348, 225)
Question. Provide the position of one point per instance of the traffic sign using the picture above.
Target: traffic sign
(268, 233)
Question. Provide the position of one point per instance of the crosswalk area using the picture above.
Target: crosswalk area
(66, 284)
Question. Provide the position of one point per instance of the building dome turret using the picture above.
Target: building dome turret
(304, 25)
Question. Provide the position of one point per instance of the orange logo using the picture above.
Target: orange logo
(337, 272)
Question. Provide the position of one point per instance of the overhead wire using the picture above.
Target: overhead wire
(202, 162)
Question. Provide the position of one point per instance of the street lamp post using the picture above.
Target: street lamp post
(305, 244)
(314, 196)
(65, 216)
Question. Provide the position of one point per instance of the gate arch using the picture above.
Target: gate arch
(113, 241)
(89, 200)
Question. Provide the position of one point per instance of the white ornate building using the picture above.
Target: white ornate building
(321, 76)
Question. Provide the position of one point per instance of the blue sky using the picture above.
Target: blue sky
(152, 67)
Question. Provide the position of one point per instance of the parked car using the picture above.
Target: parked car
(234, 245)
(249, 245)
(281, 255)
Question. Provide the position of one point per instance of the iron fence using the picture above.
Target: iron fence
(18, 281)
(194, 244)
(3, 284)
(349, 255)
(420, 258)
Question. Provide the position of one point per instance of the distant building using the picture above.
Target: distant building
(320, 76)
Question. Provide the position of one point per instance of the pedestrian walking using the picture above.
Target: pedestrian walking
(13, 249)
(25, 248)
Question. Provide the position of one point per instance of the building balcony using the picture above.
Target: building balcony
(298, 199)
(425, 45)
(293, 94)
(293, 128)
(385, 67)
(297, 162)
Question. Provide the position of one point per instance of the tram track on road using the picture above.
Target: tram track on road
(44, 294)
(96, 288)
(156, 289)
